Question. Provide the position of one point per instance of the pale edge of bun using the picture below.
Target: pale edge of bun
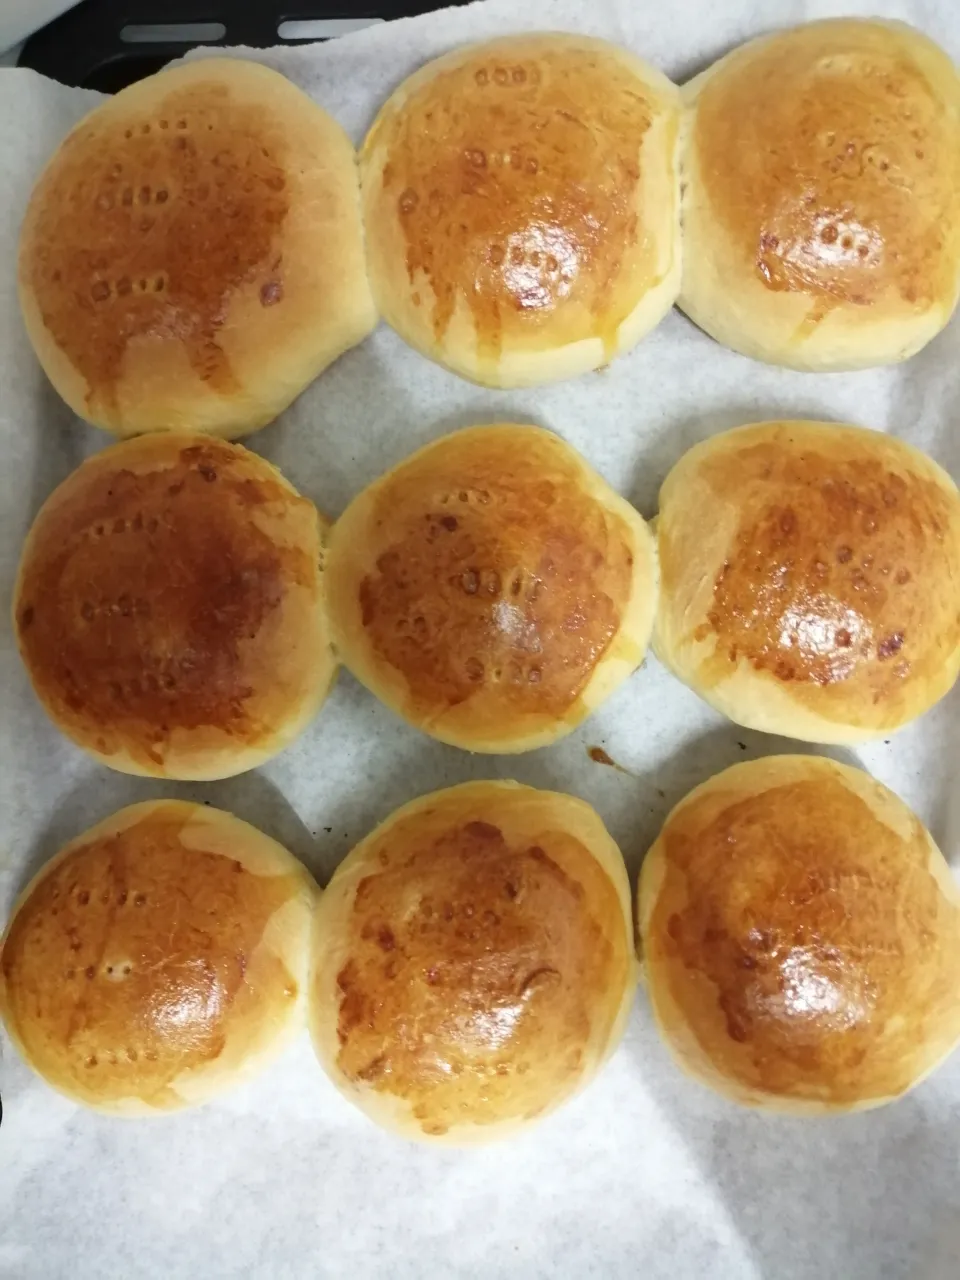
(386, 1110)
(287, 935)
(725, 306)
(294, 363)
(624, 656)
(527, 368)
(741, 781)
(755, 699)
(217, 756)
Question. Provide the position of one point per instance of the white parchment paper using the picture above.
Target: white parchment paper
(645, 1174)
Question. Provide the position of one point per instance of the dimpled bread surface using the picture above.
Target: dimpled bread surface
(192, 255)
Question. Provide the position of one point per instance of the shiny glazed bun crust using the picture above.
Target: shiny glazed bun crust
(822, 195)
(168, 608)
(473, 961)
(158, 959)
(801, 938)
(810, 579)
(491, 589)
(192, 256)
(521, 202)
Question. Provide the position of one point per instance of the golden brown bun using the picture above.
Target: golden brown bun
(521, 203)
(821, 213)
(192, 256)
(473, 962)
(168, 608)
(492, 589)
(158, 959)
(801, 938)
(810, 579)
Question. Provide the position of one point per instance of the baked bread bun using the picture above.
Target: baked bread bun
(473, 962)
(810, 579)
(168, 608)
(801, 938)
(158, 959)
(821, 213)
(521, 203)
(491, 589)
(192, 256)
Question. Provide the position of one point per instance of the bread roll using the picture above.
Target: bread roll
(473, 962)
(492, 589)
(821, 213)
(158, 959)
(168, 608)
(192, 256)
(801, 938)
(810, 579)
(521, 202)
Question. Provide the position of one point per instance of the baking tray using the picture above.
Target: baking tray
(108, 44)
